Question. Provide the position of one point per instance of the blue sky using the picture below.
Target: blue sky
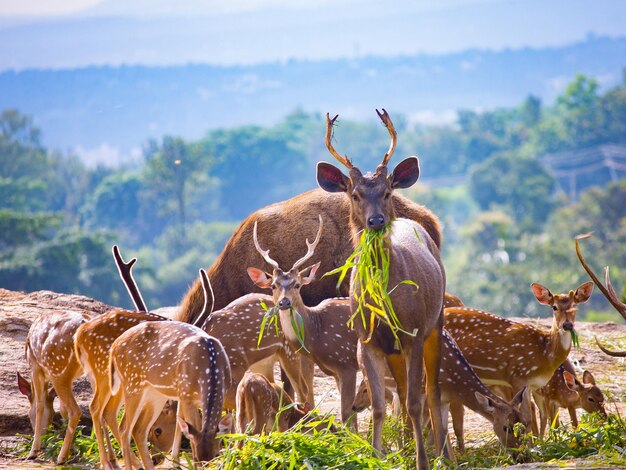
(75, 33)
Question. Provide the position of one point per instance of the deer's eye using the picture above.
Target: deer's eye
(355, 197)
(554, 308)
(387, 196)
(297, 286)
(158, 432)
(274, 286)
(591, 399)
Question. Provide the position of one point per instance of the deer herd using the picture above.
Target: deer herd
(187, 375)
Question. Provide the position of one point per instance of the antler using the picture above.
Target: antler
(206, 287)
(608, 351)
(392, 132)
(127, 276)
(329, 135)
(310, 246)
(264, 253)
(608, 291)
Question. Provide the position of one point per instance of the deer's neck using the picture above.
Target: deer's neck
(288, 319)
(559, 344)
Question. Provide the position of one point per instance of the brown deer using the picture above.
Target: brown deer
(513, 355)
(608, 292)
(157, 361)
(327, 340)
(50, 353)
(413, 256)
(564, 390)
(460, 386)
(259, 402)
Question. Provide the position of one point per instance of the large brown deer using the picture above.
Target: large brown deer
(50, 353)
(157, 361)
(326, 339)
(564, 390)
(608, 292)
(460, 386)
(413, 256)
(512, 355)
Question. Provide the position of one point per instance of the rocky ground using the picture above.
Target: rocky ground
(18, 310)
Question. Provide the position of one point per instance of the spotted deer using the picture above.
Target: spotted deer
(608, 292)
(259, 403)
(510, 355)
(413, 256)
(564, 390)
(460, 387)
(49, 351)
(326, 340)
(157, 361)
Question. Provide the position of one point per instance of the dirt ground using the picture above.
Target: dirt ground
(610, 373)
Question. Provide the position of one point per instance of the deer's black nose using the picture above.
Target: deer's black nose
(376, 222)
(284, 303)
(568, 326)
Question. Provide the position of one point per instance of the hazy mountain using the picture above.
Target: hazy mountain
(115, 109)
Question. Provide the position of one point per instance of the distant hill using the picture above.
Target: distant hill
(117, 109)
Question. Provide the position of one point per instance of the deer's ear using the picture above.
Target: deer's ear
(519, 398)
(24, 386)
(187, 429)
(331, 179)
(583, 292)
(260, 278)
(570, 380)
(543, 294)
(485, 402)
(588, 378)
(304, 280)
(406, 173)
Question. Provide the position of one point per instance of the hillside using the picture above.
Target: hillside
(118, 109)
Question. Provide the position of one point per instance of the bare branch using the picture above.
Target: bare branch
(392, 132)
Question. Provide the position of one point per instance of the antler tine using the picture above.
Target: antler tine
(264, 253)
(125, 270)
(620, 306)
(609, 294)
(392, 132)
(608, 351)
(310, 246)
(208, 290)
(329, 136)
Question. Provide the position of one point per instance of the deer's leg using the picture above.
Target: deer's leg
(63, 387)
(39, 390)
(432, 362)
(457, 411)
(96, 408)
(299, 369)
(373, 363)
(573, 416)
(147, 417)
(398, 368)
(415, 366)
(346, 383)
(133, 404)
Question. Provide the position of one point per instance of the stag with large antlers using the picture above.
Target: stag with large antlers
(608, 291)
(414, 257)
(324, 336)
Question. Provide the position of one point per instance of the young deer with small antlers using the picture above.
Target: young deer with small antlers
(258, 404)
(50, 353)
(156, 361)
(564, 390)
(513, 355)
(413, 256)
(327, 340)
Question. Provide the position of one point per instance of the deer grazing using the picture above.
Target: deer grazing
(608, 292)
(413, 256)
(460, 386)
(157, 361)
(326, 340)
(259, 402)
(564, 390)
(50, 353)
(512, 355)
